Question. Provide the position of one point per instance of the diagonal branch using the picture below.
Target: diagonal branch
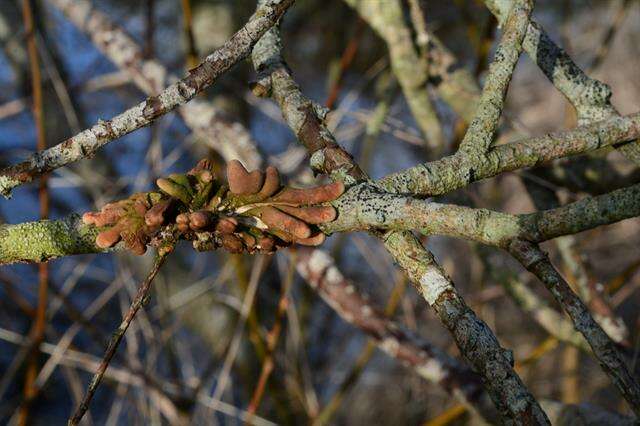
(608, 355)
(204, 75)
(320, 272)
(230, 138)
(482, 128)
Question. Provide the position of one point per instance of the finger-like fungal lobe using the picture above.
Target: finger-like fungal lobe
(252, 212)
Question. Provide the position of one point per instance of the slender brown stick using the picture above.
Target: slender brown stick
(187, 21)
(272, 340)
(141, 298)
(346, 60)
(37, 330)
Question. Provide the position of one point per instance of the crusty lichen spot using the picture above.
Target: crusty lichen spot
(433, 283)
(6, 184)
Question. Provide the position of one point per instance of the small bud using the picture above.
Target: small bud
(232, 243)
(155, 216)
(226, 225)
(182, 218)
(200, 220)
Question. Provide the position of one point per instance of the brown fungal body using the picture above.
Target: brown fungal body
(195, 204)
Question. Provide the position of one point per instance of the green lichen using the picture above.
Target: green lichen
(46, 239)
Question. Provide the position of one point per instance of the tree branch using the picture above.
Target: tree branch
(590, 97)
(89, 141)
(610, 359)
(140, 299)
(366, 207)
(482, 128)
(458, 170)
(320, 272)
(228, 137)
(46, 239)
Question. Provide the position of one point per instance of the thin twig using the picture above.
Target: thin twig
(234, 347)
(608, 355)
(140, 300)
(272, 341)
(346, 60)
(39, 324)
(187, 22)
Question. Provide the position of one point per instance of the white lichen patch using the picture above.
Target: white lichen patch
(390, 345)
(433, 283)
(7, 184)
(318, 262)
(432, 370)
(333, 275)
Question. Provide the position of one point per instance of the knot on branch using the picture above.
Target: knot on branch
(250, 212)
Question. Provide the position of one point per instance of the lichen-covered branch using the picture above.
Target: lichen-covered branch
(458, 170)
(608, 355)
(250, 212)
(458, 88)
(482, 128)
(230, 138)
(46, 239)
(89, 141)
(591, 98)
(474, 338)
(387, 18)
(366, 207)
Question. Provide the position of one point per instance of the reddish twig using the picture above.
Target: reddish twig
(272, 341)
(37, 330)
(192, 52)
(346, 60)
